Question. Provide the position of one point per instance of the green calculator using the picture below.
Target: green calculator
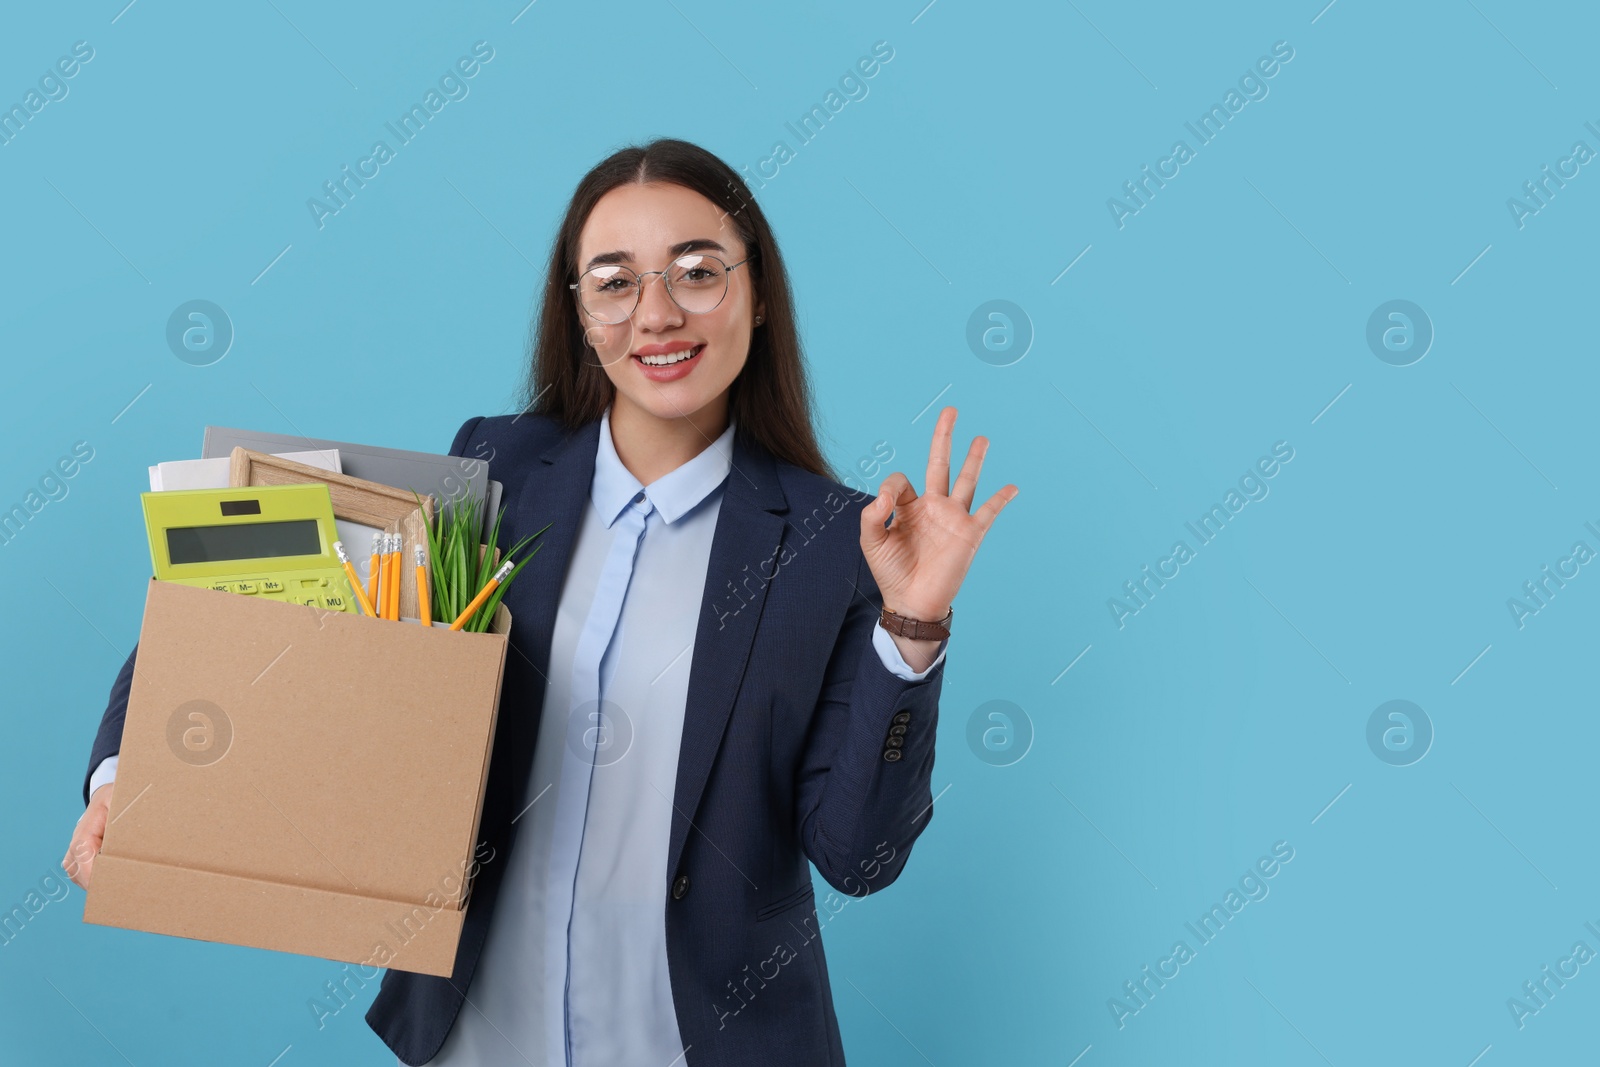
(270, 541)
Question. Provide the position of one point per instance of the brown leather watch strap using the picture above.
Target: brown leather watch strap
(916, 629)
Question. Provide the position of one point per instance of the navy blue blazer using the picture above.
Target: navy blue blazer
(786, 753)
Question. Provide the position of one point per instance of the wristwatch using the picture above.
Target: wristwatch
(916, 629)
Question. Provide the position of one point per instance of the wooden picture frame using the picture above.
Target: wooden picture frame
(386, 507)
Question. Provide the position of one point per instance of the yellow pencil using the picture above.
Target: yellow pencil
(355, 581)
(394, 604)
(424, 609)
(380, 599)
(483, 594)
(386, 581)
(372, 569)
(391, 574)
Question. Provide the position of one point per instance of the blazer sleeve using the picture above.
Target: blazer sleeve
(108, 741)
(861, 809)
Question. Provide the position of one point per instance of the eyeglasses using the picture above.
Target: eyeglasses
(696, 282)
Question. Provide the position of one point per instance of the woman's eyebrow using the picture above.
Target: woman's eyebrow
(695, 244)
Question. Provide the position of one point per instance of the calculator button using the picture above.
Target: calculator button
(269, 585)
(309, 601)
(222, 587)
(334, 601)
(246, 587)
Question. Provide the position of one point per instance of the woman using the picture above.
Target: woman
(725, 663)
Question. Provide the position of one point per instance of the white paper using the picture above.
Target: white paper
(213, 473)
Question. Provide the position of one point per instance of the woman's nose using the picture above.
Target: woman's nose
(657, 310)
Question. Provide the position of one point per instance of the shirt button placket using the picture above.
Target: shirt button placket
(577, 772)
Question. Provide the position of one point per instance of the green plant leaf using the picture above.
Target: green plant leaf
(463, 565)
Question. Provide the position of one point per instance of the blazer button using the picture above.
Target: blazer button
(897, 730)
(901, 717)
(891, 754)
(680, 887)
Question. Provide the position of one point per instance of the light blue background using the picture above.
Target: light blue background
(1225, 316)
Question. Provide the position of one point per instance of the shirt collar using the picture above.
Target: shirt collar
(673, 494)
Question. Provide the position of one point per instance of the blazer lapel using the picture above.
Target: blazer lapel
(554, 491)
(748, 534)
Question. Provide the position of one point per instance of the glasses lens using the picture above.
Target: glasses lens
(609, 293)
(698, 282)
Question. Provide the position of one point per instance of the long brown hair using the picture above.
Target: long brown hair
(770, 399)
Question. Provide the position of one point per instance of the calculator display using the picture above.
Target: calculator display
(250, 540)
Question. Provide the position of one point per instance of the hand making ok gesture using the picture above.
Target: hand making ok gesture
(920, 560)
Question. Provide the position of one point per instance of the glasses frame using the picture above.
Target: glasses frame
(638, 292)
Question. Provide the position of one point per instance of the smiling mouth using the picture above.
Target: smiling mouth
(670, 358)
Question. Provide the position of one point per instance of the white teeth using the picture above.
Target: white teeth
(669, 359)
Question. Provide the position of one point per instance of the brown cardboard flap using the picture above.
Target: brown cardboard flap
(210, 906)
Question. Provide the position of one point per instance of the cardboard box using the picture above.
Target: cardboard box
(300, 780)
